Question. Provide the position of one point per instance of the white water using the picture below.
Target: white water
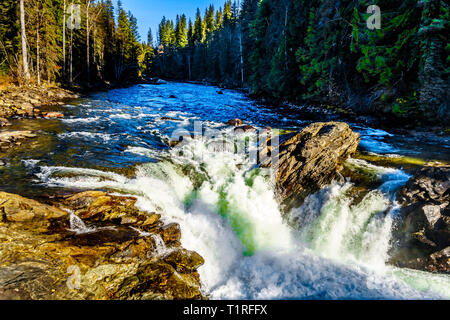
(78, 226)
(330, 250)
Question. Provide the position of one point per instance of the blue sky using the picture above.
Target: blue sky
(150, 12)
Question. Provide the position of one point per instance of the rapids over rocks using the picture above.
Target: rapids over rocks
(335, 245)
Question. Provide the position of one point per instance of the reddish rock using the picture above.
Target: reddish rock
(235, 122)
(53, 115)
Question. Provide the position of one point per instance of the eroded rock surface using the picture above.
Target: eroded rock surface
(310, 159)
(424, 234)
(105, 249)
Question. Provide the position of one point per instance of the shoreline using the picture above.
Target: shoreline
(383, 120)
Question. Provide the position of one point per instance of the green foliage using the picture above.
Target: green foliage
(323, 52)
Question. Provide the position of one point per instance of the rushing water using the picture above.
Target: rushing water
(330, 248)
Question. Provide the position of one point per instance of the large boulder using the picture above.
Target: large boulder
(92, 245)
(423, 236)
(308, 160)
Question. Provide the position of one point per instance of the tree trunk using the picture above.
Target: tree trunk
(240, 47)
(38, 49)
(64, 42)
(26, 71)
(71, 46)
(189, 66)
(88, 69)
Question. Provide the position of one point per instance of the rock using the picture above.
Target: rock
(52, 115)
(184, 261)
(18, 209)
(220, 92)
(171, 234)
(172, 96)
(4, 122)
(429, 185)
(2, 163)
(26, 109)
(425, 228)
(246, 128)
(173, 142)
(235, 122)
(170, 119)
(11, 138)
(309, 160)
(41, 257)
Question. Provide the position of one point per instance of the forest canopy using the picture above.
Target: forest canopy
(313, 51)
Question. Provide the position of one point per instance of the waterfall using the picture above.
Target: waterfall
(77, 225)
(337, 250)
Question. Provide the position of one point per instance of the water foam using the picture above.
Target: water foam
(229, 215)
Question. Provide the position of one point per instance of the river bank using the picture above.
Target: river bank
(409, 122)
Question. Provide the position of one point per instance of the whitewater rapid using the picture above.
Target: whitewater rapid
(329, 248)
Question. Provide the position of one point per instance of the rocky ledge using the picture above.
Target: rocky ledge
(310, 159)
(25, 101)
(423, 236)
(92, 245)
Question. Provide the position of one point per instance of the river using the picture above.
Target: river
(329, 248)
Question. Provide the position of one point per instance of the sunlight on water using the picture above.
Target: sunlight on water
(332, 247)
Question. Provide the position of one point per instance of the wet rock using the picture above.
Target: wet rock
(43, 257)
(425, 228)
(4, 122)
(171, 234)
(52, 115)
(184, 261)
(172, 96)
(220, 92)
(235, 122)
(12, 138)
(429, 185)
(243, 129)
(170, 119)
(175, 141)
(15, 208)
(310, 159)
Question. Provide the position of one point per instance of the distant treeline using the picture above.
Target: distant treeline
(318, 51)
(70, 41)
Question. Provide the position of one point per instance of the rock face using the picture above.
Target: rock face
(424, 234)
(310, 159)
(106, 249)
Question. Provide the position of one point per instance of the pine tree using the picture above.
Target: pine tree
(150, 37)
(181, 33)
(198, 35)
